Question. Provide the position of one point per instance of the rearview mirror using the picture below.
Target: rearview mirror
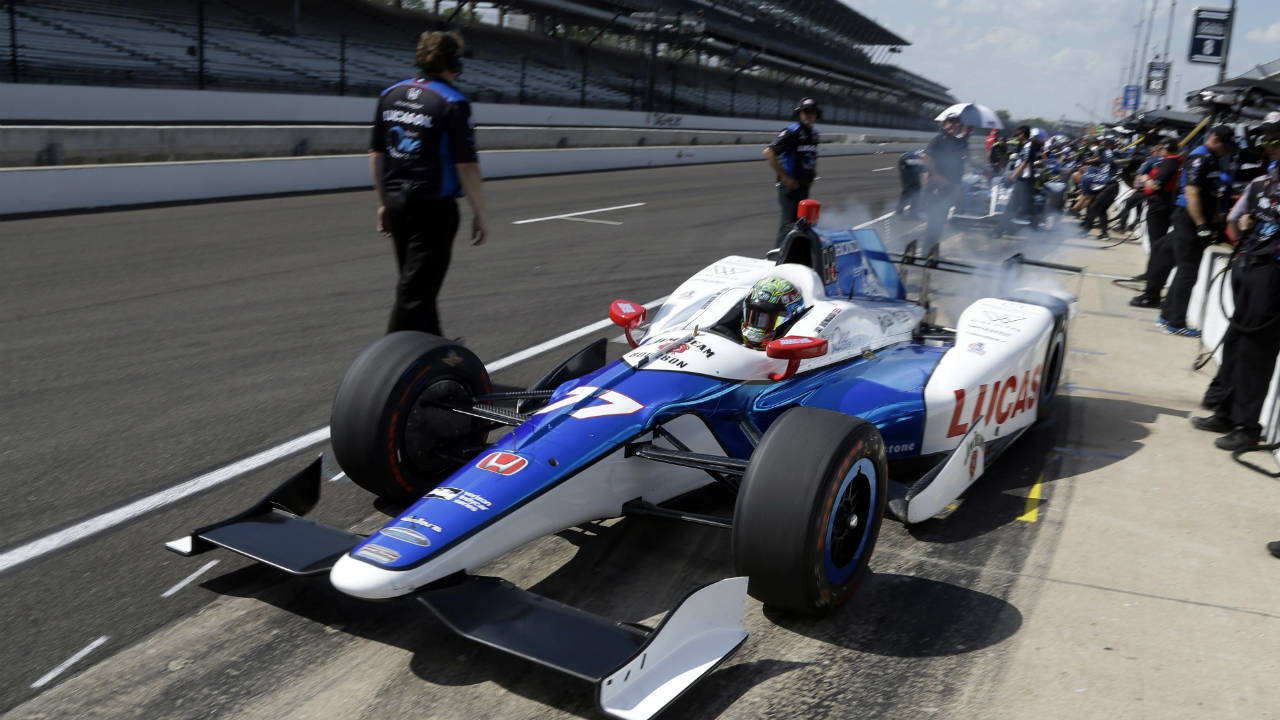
(793, 349)
(628, 315)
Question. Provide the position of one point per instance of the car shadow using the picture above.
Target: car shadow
(1082, 434)
(910, 617)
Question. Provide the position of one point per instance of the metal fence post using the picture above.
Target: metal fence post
(582, 91)
(342, 64)
(524, 61)
(200, 44)
(13, 40)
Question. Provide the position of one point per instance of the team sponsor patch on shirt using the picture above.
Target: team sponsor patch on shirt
(406, 118)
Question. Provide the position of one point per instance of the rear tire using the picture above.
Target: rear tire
(809, 510)
(386, 436)
(1051, 375)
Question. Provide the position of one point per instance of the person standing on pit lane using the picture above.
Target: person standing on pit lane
(793, 155)
(1193, 217)
(910, 168)
(1022, 199)
(1160, 185)
(1252, 340)
(1103, 184)
(423, 157)
(944, 158)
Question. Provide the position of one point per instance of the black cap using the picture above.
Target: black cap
(1222, 132)
(807, 104)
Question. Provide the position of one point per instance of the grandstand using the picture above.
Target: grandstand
(712, 57)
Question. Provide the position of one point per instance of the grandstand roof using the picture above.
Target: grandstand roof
(773, 21)
(818, 34)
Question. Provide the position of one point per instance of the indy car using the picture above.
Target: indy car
(802, 431)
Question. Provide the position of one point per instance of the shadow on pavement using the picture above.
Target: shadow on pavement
(905, 616)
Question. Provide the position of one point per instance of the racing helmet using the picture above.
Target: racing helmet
(772, 303)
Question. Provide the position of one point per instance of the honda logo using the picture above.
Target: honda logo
(503, 463)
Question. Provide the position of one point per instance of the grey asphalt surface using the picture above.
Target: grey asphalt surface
(142, 348)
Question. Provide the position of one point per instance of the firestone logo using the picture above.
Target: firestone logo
(503, 463)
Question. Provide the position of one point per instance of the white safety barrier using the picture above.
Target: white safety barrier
(44, 189)
(1212, 304)
(61, 103)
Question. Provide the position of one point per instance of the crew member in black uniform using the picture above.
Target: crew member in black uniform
(1194, 221)
(1253, 339)
(423, 157)
(1161, 187)
(1023, 177)
(944, 157)
(911, 168)
(793, 155)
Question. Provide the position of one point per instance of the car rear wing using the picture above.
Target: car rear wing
(1008, 272)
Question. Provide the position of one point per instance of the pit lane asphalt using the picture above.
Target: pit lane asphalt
(145, 347)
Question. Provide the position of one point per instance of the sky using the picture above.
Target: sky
(1047, 58)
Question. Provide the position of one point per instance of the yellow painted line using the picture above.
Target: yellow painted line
(1032, 512)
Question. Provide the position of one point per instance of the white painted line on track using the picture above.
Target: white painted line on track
(337, 477)
(187, 580)
(882, 169)
(80, 531)
(592, 220)
(576, 214)
(567, 337)
(44, 679)
(106, 521)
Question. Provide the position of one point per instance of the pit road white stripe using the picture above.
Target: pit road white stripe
(92, 526)
(575, 214)
(882, 169)
(187, 580)
(44, 679)
(49, 543)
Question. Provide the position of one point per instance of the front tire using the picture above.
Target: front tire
(809, 510)
(388, 434)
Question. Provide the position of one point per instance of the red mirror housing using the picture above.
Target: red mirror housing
(793, 349)
(809, 209)
(628, 315)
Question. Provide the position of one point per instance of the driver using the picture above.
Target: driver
(772, 303)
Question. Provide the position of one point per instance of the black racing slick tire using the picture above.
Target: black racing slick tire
(809, 510)
(1051, 374)
(389, 434)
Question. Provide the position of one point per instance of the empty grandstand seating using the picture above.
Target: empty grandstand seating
(349, 46)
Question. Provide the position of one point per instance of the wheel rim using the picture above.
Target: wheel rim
(427, 426)
(849, 528)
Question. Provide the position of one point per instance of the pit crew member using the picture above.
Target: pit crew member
(793, 155)
(1253, 339)
(422, 157)
(1194, 218)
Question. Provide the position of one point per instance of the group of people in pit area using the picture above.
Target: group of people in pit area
(1185, 196)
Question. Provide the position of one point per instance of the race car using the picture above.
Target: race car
(798, 413)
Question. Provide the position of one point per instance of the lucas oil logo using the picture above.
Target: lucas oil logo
(1003, 400)
(503, 463)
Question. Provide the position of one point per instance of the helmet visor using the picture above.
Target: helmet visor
(766, 320)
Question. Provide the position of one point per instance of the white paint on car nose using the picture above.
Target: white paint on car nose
(364, 580)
